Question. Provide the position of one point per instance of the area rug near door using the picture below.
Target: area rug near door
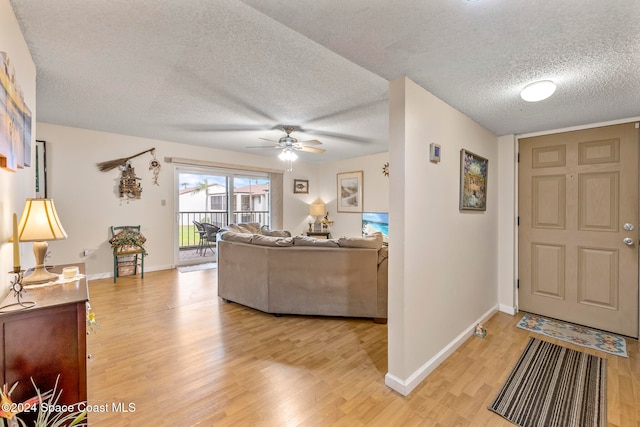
(197, 267)
(575, 334)
(551, 385)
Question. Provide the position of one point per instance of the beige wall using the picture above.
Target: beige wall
(443, 262)
(375, 194)
(88, 203)
(15, 186)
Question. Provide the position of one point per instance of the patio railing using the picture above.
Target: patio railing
(188, 238)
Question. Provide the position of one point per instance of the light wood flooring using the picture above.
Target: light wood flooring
(180, 356)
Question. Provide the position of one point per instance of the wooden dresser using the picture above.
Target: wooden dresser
(46, 340)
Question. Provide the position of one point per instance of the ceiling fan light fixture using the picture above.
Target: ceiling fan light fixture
(537, 91)
(287, 154)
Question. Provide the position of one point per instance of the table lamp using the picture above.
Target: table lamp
(39, 222)
(316, 210)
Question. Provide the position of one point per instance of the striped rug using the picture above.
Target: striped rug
(554, 386)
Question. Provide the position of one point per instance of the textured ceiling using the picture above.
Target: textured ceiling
(224, 73)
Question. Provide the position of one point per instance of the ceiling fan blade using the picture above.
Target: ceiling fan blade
(311, 150)
(311, 142)
(353, 138)
(265, 146)
(267, 139)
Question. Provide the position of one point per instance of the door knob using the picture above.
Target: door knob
(628, 226)
(628, 241)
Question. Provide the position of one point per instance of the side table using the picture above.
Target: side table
(319, 234)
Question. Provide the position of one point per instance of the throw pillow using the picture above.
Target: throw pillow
(232, 236)
(372, 241)
(261, 240)
(310, 241)
(249, 227)
(276, 233)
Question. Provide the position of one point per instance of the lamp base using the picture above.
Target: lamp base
(39, 275)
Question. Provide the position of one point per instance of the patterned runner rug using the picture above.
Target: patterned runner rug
(555, 386)
(580, 335)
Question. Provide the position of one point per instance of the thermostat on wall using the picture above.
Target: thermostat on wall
(434, 152)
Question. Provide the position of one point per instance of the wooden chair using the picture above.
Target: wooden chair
(127, 255)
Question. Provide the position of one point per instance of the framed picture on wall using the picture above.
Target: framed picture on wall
(41, 169)
(350, 191)
(301, 186)
(473, 181)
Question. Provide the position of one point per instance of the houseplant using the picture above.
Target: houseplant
(45, 404)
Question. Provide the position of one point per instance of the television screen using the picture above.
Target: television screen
(373, 222)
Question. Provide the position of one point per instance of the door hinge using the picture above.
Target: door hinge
(518, 284)
(518, 221)
(518, 157)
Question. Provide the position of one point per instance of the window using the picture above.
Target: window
(218, 202)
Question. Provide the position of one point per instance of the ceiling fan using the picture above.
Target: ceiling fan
(289, 144)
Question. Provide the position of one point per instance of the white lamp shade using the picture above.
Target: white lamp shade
(40, 222)
(316, 208)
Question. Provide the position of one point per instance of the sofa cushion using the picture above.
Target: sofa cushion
(383, 254)
(276, 233)
(261, 240)
(247, 227)
(232, 236)
(372, 241)
(310, 241)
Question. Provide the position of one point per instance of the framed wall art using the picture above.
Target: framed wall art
(473, 181)
(300, 186)
(350, 191)
(15, 120)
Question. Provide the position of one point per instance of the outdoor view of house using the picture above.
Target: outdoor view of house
(220, 200)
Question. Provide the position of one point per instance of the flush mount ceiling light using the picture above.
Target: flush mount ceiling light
(537, 91)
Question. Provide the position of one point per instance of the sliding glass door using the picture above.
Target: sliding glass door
(218, 197)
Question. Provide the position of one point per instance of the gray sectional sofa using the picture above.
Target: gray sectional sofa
(276, 273)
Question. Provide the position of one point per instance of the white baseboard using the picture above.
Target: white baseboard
(404, 387)
(97, 276)
(507, 309)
